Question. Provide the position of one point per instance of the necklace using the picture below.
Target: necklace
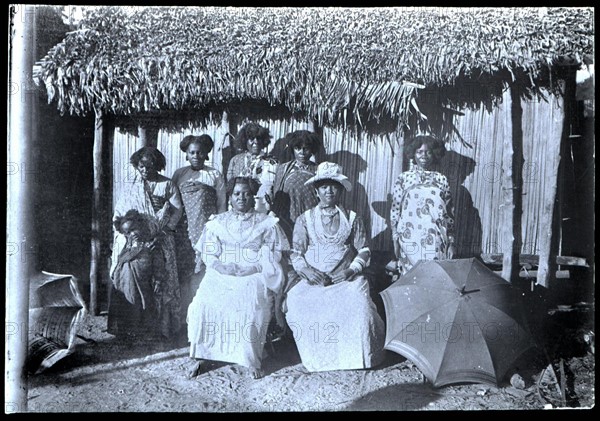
(303, 167)
(317, 228)
(327, 215)
(241, 224)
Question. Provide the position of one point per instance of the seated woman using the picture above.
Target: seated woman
(229, 316)
(334, 321)
(132, 309)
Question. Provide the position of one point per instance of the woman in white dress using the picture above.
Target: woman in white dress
(329, 310)
(229, 316)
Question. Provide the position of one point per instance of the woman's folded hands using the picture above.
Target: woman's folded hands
(234, 269)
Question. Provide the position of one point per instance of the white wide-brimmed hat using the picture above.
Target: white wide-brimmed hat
(330, 171)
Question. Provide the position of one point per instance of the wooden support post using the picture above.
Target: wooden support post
(96, 252)
(512, 187)
(316, 128)
(233, 121)
(550, 215)
(148, 136)
(18, 212)
(548, 207)
(107, 206)
(231, 148)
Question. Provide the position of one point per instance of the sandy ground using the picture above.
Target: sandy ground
(103, 375)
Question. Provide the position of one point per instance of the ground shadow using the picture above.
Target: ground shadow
(280, 354)
(58, 373)
(106, 349)
(401, 397)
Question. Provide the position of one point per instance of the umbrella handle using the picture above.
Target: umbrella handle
(463, 291)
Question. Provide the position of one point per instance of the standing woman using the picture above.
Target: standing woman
(422, 215)
(229, 316)
(203, 194)
(254, 163)
(334, 321)
(156, 197)
(291, 196)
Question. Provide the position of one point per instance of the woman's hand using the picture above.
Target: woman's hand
(152, 244)
(233, 269)
(342, 276)
(226, 269)
(314, 276)
(168, 231)
(396, 243)
(451, 251)
(134, 236)
(247, 270)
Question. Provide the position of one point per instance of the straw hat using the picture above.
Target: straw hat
(330, 171)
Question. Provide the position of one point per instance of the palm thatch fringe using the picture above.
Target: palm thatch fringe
(336, 65)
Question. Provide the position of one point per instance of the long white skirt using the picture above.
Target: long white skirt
(335, 327)
(228, 319)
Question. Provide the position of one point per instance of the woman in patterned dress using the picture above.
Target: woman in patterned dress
(203, 194)
(156, 197)
(254, 163)
(330, 312)
(422, 215)
(291, 196)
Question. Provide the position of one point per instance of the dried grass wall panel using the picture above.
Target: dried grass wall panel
(168, 143)
(475, 173)
(373, 167)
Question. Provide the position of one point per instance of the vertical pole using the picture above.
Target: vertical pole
(148, 136)
(321, 153)
(96, 245)
(550, 218)
(143, 135)
(512, 187)
(18, 215)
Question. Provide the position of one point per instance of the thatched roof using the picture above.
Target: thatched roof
(326, 63)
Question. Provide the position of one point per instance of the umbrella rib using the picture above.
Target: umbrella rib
(484, 287)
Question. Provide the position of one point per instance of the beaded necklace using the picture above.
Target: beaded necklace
(241, 222)
(303, 167)
(316, 227)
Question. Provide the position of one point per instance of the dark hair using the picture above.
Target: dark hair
(149, 152)
(137, 221)
(438, 148)
(253, 131)
(324, 181)
(304, 137)
(204, 141)
(249, 181)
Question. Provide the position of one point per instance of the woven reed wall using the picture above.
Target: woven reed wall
(474, 172)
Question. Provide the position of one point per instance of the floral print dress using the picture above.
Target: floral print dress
(421, 216)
